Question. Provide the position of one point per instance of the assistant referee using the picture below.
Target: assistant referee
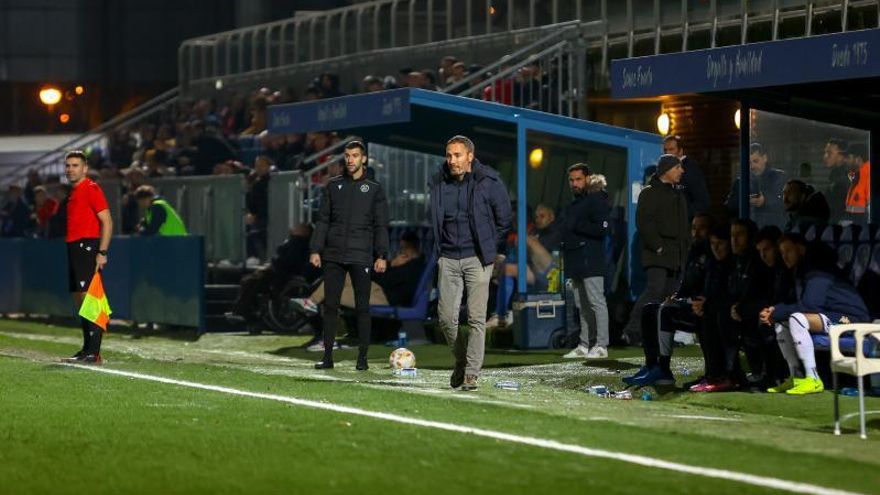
(89, 228)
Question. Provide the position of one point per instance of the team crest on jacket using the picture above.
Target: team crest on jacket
(365, 188)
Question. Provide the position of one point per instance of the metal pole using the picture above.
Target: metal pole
(713, 12)
(468, 18)
(521, 201)
(376, 26)
(343, 41)
(532, 13)
(312, 23)
(327, 20)
(358, 30)
(844, 17)
(430, 27)
(809, 18)
(268, 48)
(448, 19)
(657, 29)
(775, 34)
(684, 25)
(554, 11)
(631, 27)
(510, 15)
(744, 27)
(412, 22)
(744, 171)
(254, 50)
(488, 14)
(394, 23)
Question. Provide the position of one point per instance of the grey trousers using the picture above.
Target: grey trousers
(453, 277)
(593, 310)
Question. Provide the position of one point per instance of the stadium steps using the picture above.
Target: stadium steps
(219, 298)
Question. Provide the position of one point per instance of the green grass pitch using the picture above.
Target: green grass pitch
(67, 430)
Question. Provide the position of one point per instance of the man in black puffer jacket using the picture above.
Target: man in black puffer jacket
(351, 236)
(584, 228)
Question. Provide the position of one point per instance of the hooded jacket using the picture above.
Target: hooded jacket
(585, 226)
(489, 212)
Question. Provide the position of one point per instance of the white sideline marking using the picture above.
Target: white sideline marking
(750, 479)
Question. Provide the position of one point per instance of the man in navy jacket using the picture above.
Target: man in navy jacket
(823, 299)
(470, 218)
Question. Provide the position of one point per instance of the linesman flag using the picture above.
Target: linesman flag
(95, 307)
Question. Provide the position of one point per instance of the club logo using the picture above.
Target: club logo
(365, 188)
(339, 186)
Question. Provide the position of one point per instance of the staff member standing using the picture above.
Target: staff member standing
(584, 226)
(160, 218)
(89, 228)
(351, 237)
(470, 218)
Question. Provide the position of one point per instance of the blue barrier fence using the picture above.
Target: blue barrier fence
(147, 279)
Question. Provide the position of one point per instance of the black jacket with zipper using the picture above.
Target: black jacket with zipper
(352, 224)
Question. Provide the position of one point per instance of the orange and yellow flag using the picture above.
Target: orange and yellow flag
(95, 307)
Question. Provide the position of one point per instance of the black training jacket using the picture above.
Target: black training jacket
(352, 224)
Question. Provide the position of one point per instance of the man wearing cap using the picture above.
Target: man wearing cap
(662, 223)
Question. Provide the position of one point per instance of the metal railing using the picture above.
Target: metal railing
(51, 162)
(667, 25)
(548, 75)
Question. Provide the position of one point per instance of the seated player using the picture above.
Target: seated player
(823, 299)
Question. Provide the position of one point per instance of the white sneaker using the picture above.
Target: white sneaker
(493, 322)
(597, 352)
(579, 352)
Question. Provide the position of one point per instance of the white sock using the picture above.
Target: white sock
(800, 333)
(786, 345)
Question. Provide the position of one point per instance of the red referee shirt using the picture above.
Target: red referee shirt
(86, 200)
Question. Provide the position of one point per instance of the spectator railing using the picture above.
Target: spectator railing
(52, 162)
(549, 75)
(636, 26)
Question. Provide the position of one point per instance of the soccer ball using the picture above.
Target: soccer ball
(402, 358)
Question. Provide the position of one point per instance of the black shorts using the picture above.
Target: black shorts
(81, 263)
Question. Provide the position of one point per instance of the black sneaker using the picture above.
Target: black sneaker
(76, 358)
(457, 377)
(470, 383)
(362, 364)
(324, 365)
(94, 359)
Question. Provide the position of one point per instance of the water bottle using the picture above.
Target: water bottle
(401, 339)
(507, 385)
(647, 395)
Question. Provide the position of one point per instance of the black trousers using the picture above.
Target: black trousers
(722, 337)
(762, 351)
(674, 317)
(334, 281)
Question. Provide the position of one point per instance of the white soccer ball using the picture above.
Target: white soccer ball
(402, 358)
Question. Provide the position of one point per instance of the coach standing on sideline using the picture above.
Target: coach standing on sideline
(89, 227)
(470, 218)
(351, 236)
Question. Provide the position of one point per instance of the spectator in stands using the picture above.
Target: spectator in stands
(584, 227)
(329, 85)
(395, 287)
(256, 219)
(430, 80)
(372, 84)
(804, 205)
(446, 64)
(211, 148)
(160, 218)
(133, 178)
(693, 182)
(233, 118)
(765, 190)
(259, 119)
(155, 165)
(661, 219)
(58, 223)
(823, 299)
(289, 266)
(33, 180)
(45, 207)
(122, 146)
(164, 142)
(835, 160)
(858, 198)
(15, 217)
